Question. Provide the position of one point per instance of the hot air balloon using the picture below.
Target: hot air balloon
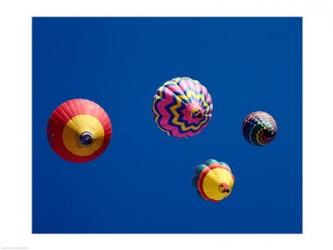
(213, 180)
(79, 130)
(259, 128)
(182, 107)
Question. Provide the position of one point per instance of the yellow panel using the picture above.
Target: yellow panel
(212, 181)
(77, 125)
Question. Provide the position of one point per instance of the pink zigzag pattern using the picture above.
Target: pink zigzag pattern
(163, 106)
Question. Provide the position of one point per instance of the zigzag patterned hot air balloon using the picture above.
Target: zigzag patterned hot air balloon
(182, 107)
(259, 128)
(79, 130)
(213, 180)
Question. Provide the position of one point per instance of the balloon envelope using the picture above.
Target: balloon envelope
(259, 128)
(213, 180)
(182, 107)
(79, 130)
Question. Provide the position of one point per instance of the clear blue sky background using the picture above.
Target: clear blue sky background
(142, 183)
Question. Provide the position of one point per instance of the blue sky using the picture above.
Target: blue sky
(142, 183)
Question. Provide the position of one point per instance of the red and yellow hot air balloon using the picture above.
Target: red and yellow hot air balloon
(213, 180)
(79, 130)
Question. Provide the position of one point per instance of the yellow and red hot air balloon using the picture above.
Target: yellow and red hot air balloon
(79, 130)
(213, 180)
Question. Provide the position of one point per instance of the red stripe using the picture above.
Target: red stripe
(200, 182)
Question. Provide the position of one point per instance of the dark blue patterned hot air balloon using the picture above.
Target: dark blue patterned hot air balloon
(259, 128)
